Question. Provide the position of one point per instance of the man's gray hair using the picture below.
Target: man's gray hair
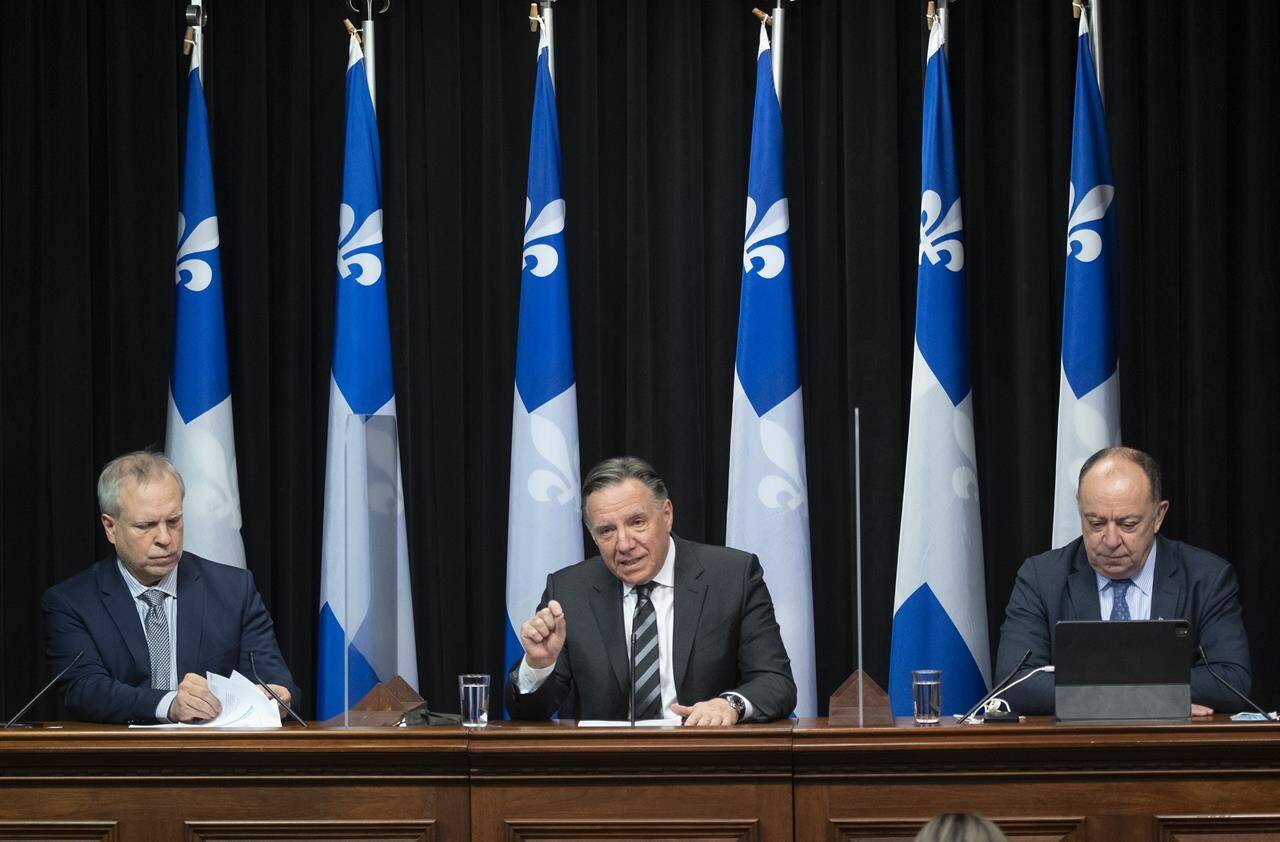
(141, 466)
(617, 470)
(1143, 460)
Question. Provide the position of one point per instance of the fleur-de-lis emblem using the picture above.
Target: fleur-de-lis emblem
(557, 485)
(777, 491)
(774, 222)
(370, 234)
(204, 237)
(964, 479)
(1091, 208)
(940, 235)
(550, 221)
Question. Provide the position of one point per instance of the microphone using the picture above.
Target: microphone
(272, 693)
(1000, 685)
(1227, 684)
(631, 671)
(43, 690)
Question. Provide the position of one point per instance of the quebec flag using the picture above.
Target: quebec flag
(768, 512)
(939, 605)
(199, 437)
(1089, 387)
(544, 527)
(365, 604)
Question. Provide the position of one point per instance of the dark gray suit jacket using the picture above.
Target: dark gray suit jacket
(221, 619)
(725, 637)
(1190, 584)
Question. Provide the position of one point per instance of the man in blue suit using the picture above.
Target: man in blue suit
(1121, 569)
(152, 613)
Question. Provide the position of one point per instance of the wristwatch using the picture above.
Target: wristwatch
(738, 705)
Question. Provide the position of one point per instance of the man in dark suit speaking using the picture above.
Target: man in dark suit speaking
(152, 613)
(1121, 569)
(690, 627)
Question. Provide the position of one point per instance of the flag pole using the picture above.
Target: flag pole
(775, 22)
(776, 44)
(366, 41)
(546, 18)
(196, 19)
(1092, 8)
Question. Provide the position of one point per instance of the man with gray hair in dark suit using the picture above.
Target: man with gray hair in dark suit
(151, 619)
(655, 626)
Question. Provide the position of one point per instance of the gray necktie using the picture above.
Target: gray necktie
(647, 701)
(156, 626)
(1120, 605)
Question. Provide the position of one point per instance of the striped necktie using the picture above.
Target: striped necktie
(647, 699)
(156, 626)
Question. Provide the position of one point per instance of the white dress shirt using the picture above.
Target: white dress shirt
(1138, 596)
(169, 586)
(529, 679)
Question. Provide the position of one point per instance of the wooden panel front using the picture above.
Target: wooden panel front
(556, 781)
(227, 785)
(1041, 780)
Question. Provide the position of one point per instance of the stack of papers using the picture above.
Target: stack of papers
(244, 705)
(623, 723)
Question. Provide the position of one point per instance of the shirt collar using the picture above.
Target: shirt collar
(168, 585)
(666, 576)
(1145, 578)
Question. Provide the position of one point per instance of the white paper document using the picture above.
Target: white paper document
(622, 723)
(243, 705)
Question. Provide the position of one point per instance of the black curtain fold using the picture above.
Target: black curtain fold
(655, 108)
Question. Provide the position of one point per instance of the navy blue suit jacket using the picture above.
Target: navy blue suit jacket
(1190, 584)
(725, 637)
(221, 619)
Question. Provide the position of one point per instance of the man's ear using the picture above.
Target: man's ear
(1161, 511)
(109, 527)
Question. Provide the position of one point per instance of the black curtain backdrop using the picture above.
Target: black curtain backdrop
(655, 109)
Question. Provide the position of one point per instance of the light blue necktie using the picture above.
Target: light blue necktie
(1120, 605)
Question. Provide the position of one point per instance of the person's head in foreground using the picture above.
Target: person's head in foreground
(959, 827)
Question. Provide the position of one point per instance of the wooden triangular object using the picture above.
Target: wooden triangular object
(385, 704)
(875, 703)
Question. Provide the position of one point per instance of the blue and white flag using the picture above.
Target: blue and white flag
(939, 605)
(768, 511)
(365, 599)
(544, 526)
(199, 437)
(1089, 386)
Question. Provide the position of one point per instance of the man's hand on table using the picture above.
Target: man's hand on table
(711, 712)
(195, 702)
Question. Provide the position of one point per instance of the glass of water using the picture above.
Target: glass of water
(473, 697)
(926, 694)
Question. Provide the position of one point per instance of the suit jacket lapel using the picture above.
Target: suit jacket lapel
(120, 605)
(1082, 585)
(690, 594)
(191, 595)
(1166, 591)
(606, 604)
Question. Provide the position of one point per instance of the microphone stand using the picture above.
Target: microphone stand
(631, 671)
(272, 693)
(1205, 659)
(43, 690)
(1000, 685)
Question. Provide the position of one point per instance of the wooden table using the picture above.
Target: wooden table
(1208, 780)
(803, 780)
